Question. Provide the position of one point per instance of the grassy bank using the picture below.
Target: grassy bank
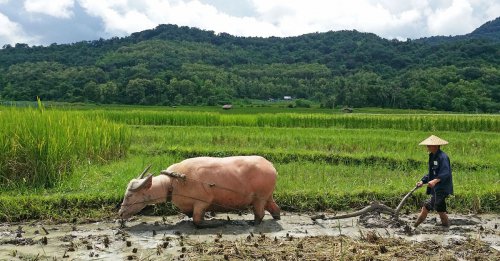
(321, 166)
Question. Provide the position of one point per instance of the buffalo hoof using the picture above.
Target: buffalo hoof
(277, 217)
(256, 222)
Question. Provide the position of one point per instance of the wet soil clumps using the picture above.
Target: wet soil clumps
(295, 237)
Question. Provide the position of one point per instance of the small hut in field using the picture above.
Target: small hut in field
(347, 109)
(227, 106)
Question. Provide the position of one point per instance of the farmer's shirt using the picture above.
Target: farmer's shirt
(439, 167)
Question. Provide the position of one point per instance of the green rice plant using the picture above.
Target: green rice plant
(135, 117)
(411, 122)
(39, 147)
(392, 148)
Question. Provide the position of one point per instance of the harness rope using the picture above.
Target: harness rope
(211, 185)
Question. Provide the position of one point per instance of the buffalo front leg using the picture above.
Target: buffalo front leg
(199, 214)
(199, 217)
(273, 208)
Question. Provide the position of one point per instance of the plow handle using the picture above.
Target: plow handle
(404, 199)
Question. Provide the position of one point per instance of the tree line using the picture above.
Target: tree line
(172, 65)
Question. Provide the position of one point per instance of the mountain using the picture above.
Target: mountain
(171, 65)
(490, 30)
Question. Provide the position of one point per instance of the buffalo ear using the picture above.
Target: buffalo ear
(144, 183)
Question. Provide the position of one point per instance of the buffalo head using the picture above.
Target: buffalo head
(137, 195)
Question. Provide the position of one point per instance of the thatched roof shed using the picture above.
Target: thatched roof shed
(347, 109)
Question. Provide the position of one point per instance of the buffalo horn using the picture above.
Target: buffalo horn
(144, 172)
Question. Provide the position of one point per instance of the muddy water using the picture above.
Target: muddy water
(164, 238)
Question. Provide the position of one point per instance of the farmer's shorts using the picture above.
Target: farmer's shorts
(436, 202)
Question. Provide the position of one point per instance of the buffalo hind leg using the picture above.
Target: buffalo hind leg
(258, 211)
(273, 208)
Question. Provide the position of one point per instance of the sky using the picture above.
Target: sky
(43, 22)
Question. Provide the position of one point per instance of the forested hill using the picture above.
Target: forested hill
(172, 65)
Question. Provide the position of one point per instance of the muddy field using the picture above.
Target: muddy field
(294, 237)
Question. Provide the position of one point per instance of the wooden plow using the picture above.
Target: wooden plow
(373, 207)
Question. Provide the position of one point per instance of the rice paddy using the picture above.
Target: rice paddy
(76, 163)
(446, 122)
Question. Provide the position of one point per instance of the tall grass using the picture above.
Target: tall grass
(38, 147)
(448, 122)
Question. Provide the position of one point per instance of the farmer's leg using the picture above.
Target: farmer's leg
(441, 209)
(428, 206)
(444, 219)
(421, 216)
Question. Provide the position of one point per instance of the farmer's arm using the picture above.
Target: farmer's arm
(433, 182)
(424, 180)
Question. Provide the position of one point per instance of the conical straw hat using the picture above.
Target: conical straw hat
(433, 140)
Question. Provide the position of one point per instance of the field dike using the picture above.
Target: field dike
(294, 237)
(317, 157)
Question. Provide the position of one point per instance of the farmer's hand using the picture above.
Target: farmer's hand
(433, 183)
(420, 183)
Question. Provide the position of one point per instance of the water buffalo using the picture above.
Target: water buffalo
(201, 184)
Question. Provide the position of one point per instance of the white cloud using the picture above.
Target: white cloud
(56, 8)
(320, 15)
(388, 18)
(494, 11)
(123, 16)
(12, 33)
(491, 9)
(454, 19)
(119, 16)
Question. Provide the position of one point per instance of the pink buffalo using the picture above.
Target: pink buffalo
(203, 184)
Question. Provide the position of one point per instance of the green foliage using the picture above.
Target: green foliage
(39, 147)
(172, 65)
(300, 103)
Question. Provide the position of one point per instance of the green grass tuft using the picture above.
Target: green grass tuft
(40, 147)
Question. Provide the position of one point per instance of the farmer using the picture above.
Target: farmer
(439, 181)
